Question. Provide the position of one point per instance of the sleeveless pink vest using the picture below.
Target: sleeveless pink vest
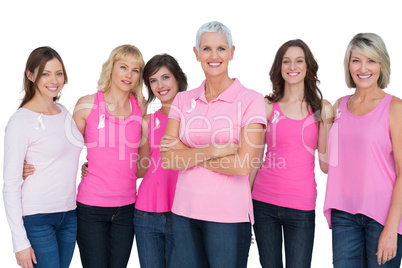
(112, 145)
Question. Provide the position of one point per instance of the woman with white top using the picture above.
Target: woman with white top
(41, 209)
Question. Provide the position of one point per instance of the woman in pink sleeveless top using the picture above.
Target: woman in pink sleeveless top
(111, 123)
(284, 190)
(163, 78)
(363, 202)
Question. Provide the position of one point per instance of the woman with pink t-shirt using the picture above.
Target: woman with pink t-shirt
(163, 78)
(212, 209)
(363, 202)
(284, 190)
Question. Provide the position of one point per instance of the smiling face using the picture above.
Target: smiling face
(51, 80)
(294, 66)
(364, 71)
(164, 85)
(125, 74)
(214, 54)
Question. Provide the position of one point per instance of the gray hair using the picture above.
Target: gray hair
(372, 46)
(213, 27)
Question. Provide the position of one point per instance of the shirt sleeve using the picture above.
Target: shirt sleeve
(16, 143)
(175, 109)
(255, 111)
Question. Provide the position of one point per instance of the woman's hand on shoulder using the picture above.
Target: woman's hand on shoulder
(26, 257)
(82, 110)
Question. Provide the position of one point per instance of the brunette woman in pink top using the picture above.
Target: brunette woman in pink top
(284, 190)
(363, 202)
(212, 208)
(163, 78)
(111, 123)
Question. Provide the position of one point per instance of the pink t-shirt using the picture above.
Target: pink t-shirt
(201, 193)
(361, 173)
(157, 189)
(112, 145)
(287, 176)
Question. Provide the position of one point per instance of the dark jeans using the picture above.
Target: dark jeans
(355, 241)
(298, 232)
(154, 237)
(105, 235)
(52, 237)
(211, 244)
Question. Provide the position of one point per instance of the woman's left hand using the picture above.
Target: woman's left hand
(387, 245)
(171, 143)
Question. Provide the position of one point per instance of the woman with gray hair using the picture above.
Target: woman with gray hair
(213, 135)
(363, 203)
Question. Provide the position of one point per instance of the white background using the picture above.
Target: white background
(84, 33)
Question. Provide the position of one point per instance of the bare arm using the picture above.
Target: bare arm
(143, 105)
(387, 243)
(327, 119)
(248, 154)
(82, 110)
(269, 106)
(143, 150)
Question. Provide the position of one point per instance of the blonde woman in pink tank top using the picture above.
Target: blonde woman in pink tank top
(110, 121)
(363, 202)
(284, 188)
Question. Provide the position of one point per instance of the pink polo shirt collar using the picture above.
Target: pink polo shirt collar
(228, 95)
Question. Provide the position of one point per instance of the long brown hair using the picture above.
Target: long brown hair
(312, 93)
(37, 60)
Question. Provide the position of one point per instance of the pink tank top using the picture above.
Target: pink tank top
(361, 172)
(112, 145)
(158, 187)
(287, 176)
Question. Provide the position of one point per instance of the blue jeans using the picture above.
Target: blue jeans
(211, 244)
(105, 235)
(298, 232)
(154, 237)
(355, 241)
(52, 237)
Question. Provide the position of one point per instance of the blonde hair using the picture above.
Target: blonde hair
(372, 46)
(122, 53)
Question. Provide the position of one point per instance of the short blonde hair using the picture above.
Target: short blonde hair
(120, 53)
(371, 45)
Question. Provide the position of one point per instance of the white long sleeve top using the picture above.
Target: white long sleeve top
(52, 144)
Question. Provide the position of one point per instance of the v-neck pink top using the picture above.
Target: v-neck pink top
(201, 193)
(112, 145)
(361, 172)
(158, 186)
